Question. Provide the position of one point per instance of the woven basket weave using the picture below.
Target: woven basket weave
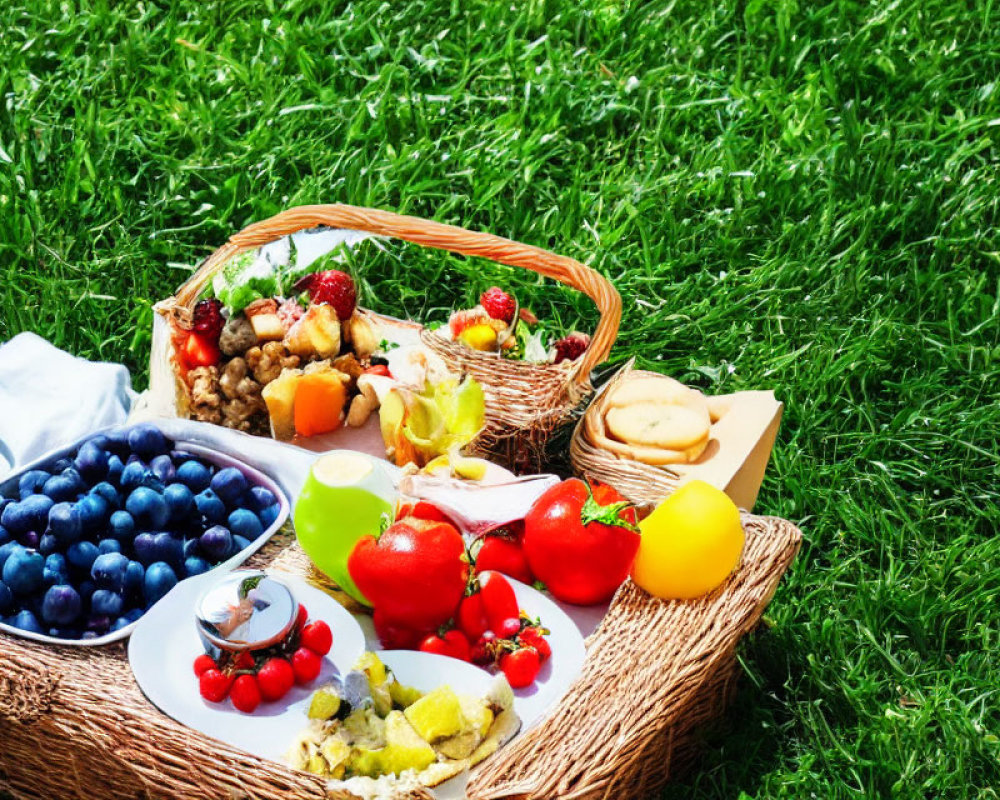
(525, 403)
(73, 723)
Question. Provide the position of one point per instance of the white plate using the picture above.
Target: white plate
(556, 674)
(165, 643)
(255, 476)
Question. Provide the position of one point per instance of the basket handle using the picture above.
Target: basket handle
(442, 237)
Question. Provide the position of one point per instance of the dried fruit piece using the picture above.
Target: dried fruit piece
(571, 347)
(208, 319)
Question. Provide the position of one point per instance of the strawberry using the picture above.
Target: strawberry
(208, 320)
(498, 304)
(332, 287)
(461, 320)
(571, 347)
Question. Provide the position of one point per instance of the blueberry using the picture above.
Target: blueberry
(163, 468)
(180, 501)
(229, 484)
(6, 598)
(26, 621)
(147, 441)
(86, 588)
(116, 442)
(62, 605)
(32, 482)
(134, 574)
(121, 526)
(82, 555)
(4, 535)
(136, 474)
(148, 508)
(216, 543)
(65, 522)
(48, 544)
(56, 570)
(115, 469)
(60, 464)
(269, 515)
(31, 540)
(106, 603)
(240, 544)
(98, 440)
(193, 474)
(7, 549)
(195, 566)
(243, 522)
(169, 549)
(31, 514)
(109, 493)
(109, 546)
(160, 579)
(98, 624)
(191, 548)
(24, 571)
(210, 507)
(94, 511)
(92, 461)
(126, 619)
(75, 478)
(108, 570)
(60, 489)
(259, 498)
(145, 548)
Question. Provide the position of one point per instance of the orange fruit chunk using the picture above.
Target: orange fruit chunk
(319, 403)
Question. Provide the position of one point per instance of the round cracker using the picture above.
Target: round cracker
(658, 425)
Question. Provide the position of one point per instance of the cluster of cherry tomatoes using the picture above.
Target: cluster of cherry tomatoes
(247, 678)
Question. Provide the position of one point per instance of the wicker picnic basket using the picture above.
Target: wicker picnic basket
(525, 403)
(74, 724)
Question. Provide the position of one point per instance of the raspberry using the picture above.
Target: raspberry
(498, 304)
(208, 319)
(571, 347)
(461, 320)
(334, 288)
(289, 313)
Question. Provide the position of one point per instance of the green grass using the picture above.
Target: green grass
(798, 195)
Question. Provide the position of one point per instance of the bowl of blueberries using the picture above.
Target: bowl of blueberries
(93, 535)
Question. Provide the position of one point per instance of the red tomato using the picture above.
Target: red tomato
(452, 644)
(580, 542)
(275, 678)
(394, 636)
(521, 667)
(423, 510)
(504, 554)
(301, 617)
(306, 665)
(214, 685)
(472, 616)
(499, 601)
(533, 637)
(414, 573)
(317, 637)
(204, 663)
(509, 628)
(378, 369)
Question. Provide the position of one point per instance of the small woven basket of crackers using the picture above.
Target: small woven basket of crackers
(526, 403)
(646, 434)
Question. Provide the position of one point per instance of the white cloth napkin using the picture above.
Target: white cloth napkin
(49, 398)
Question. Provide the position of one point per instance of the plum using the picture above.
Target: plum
(121, 526)
(115, 469)
(106, 603)
(193, 474)
(210, 506)
(56, 569)
(146, 440)
(259, 498)
(229, 484)
(145, 548)
(92, 461)
(32, 482)
(163, 468)
(134, 575)
(268, 515)
(240, 544)
(27, 621)
(108, 493)
(31, 514)
(94, 511)
(82, 555)
(109, 546)
(195, 566)
(7, 549)
(48, 544)
(180, 501)
(60, 489)
(169, 549)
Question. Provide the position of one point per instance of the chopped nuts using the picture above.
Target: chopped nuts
(237, 336)
(206, 401)
(268, 361)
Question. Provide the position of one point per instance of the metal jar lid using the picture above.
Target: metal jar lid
(245, 610)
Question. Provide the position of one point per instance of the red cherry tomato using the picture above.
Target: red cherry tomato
(452, 644)
(499, 601)
(509, 628)
(306, 665)
(301, 618)
(472, 616)
(504, 554)
(378, 369)
(200, 351)
(204, 663)
(245, 694)
(214, 685)
(317, 637)
(521, 667)
(533, 637)
(275, 678)
(244, 661)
